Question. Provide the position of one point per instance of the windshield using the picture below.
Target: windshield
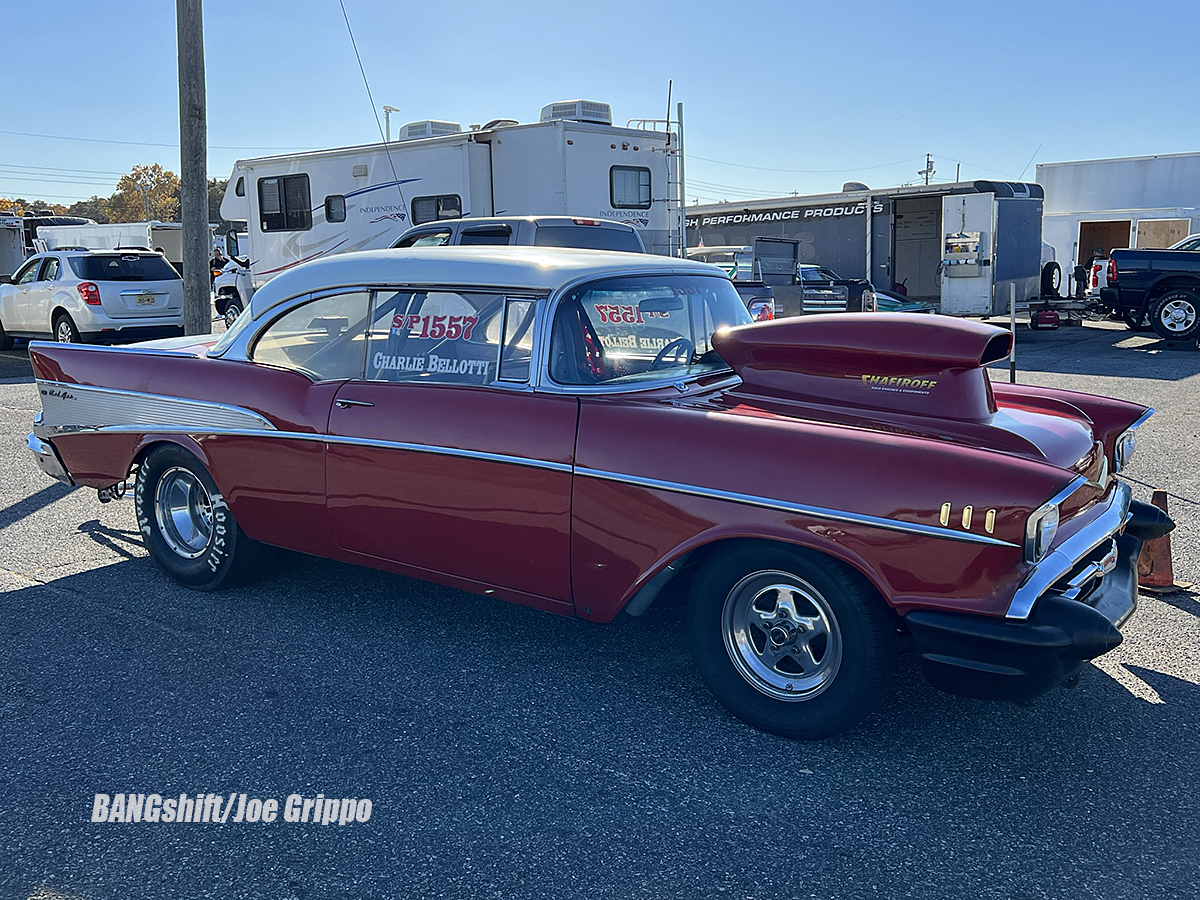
(818, 273)
(642, 328)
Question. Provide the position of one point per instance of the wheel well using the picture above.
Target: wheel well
(678, 589)
(58, 311)
(1172, 282)
(186, 443)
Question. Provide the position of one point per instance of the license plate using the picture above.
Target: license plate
(145, 299)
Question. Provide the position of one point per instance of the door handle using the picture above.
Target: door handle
(346, 404)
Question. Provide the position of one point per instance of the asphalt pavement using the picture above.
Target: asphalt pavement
(511, 753)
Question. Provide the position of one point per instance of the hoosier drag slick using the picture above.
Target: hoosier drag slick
(591, 432)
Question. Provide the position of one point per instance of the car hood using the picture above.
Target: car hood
(921, 375)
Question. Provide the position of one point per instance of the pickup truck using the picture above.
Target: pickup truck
(1162, 286)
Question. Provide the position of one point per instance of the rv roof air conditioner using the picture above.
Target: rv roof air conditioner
(578, 111)
(428, 128)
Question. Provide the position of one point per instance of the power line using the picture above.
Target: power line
(721, 162)
(60, 169)
(174, 146)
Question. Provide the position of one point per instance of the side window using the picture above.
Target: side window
(430, 209)
(49, 270)
(335, 208)
(629, 187)
(28, 272)
(487, 234)
(325, 339)
(239, 189)
(439, 238)
(449, 337)
(284, 203)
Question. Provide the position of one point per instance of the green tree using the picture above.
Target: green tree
(93, 207)
(150, 184)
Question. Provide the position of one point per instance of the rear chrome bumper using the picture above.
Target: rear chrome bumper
(1076, 617)
(47, 459)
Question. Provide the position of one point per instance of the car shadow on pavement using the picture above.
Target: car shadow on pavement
(33, 503)
(1187, 601)
(118, 540)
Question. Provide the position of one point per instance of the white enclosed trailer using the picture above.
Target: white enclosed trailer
(1098, 205)
(153, 235)
(574, 161)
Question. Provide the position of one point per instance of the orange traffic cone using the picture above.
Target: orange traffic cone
(1155, 572)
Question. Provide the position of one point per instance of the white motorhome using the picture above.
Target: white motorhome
(571, 162)
(152, 235)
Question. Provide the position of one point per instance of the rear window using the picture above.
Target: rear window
(588, 237)
(123, 267)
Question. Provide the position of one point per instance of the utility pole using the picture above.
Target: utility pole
(193, 168)
(929, 169)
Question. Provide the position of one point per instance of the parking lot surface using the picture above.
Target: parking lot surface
(512, 753)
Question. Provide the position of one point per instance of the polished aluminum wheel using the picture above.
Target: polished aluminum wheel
(782, 635)
(183, 510)
(64, 332)
(1177, 316)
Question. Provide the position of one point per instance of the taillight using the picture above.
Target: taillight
(762, 310)
(89, 292)
(1112, 271)
(1096, 267)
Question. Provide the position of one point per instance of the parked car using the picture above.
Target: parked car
(1161, 287)
(92, 296)
(890, 301)
(535, 231)
(585, 433)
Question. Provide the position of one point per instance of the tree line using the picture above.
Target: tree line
(145, 192)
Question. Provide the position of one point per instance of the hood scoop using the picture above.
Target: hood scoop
(897, 362)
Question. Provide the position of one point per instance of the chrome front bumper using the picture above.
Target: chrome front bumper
(1068, 555)
(47, 459)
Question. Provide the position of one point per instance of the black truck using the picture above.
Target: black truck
(1159, 289)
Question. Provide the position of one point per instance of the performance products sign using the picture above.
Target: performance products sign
(216, 809)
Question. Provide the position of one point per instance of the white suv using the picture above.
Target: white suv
(98, 296)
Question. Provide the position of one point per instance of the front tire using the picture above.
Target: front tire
(6, 342)
(186, 524)
(1175, 315)
(791, 641)
(232, 311)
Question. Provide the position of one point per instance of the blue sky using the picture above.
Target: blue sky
(778, 97)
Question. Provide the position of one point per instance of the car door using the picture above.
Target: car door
(16, 306)
(443, 459)
(37, 297)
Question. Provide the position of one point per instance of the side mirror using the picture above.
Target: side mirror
(6, 279)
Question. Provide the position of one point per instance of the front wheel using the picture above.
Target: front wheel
(1175, 315)
(791, 641)
(232, 311)
(6, 342)
(187, 527)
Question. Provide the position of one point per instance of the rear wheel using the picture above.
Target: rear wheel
(1175, 315)
(188, 528)
(65, 331)
(790, 641)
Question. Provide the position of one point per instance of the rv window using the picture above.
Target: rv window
(335, 208)
(240, 187)
(430, 209)
(491, 234)
(284, 203)
(629, 187)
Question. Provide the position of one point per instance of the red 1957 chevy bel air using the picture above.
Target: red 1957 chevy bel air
(591, 432)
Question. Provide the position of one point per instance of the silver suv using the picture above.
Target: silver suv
(98, 296)
(535, 231)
